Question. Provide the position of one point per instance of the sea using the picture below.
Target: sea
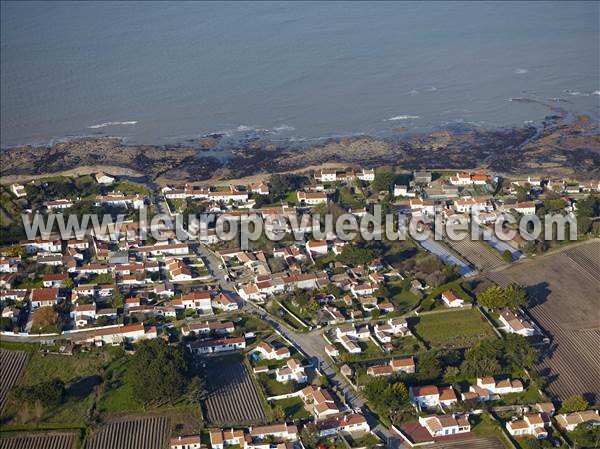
(170, 72)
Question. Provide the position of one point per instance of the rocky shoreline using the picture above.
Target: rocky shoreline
(559, 147)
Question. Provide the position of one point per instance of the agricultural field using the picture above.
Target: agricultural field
(41, 441)
(471, 443)
(477, 253)
(143, 433)
(12, 363)
(452, 328)
(564, 290)
(233, 397)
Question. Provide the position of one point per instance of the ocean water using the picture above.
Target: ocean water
(164, 72)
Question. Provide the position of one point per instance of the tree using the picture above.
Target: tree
(117, 298)
(310, 435)
(576, 403)
(160, 372)
(515, 295)
(354, 255)
(493, 298)
(522, 193)
(451, 374)
(197, 389)
(429, 367)
(482, 359)
(517, 353)
(279, 413)
(507, 256)
(48, 393)
(530, 443)
(585, 435)
(384, 180)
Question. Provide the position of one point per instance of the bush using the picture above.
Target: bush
(48, 393)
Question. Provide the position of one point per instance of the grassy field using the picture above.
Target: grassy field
(118, 395)
(80, 374)
(293, 407)
(452, 329)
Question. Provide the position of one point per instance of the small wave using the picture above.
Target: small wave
(403, 117)
(413, 92)
(596, 92)
(283, 128)
(431, 89)
(576, 93)
(521, 71)
(244, 128)
(105, 124)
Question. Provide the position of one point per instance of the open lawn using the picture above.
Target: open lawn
(451, 329)
(293, 407)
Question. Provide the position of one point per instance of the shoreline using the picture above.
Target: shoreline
(562, 145)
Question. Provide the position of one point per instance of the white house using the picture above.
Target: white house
(569, 421)
(525, 207)
(326, 175)
(59, 204)
(349, 345)
(451, 299)
(534, 425)
(312, 198)
(460, 179)
(18, 190)
(293, 371)
(439, 426)
(367, 175)
(221, 438)
(515, 323)
(487, 387)
(323, 404)
(317, 247)
(224, 302)
(199, 300)
(269, 352)
(217, 345)
(353, 423)
(44, 297)
(186, 442)
(432, 396)
(103, 178)
(280, 432)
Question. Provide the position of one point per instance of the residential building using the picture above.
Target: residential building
(217, 345)
(444, 425)
(569, 421)
(535, 425)
(292, 371)
(269, 352)
(516, 323)
(353, 423)
(451, 299)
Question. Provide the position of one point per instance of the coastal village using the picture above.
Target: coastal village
(293, 343)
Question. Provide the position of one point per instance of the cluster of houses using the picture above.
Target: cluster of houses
(350, 335)
(274, 436)
(291, 371)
